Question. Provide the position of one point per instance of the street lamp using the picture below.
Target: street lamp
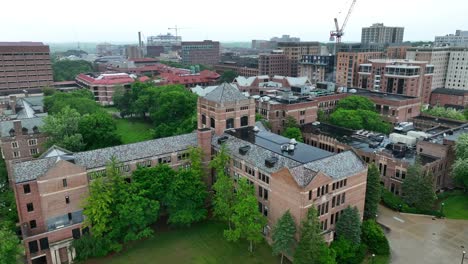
(373, 258)
(463, 256)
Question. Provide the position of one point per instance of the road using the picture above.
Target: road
(420, 239)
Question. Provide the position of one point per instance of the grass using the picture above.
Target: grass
(133, 130)
(203, 243)
(455, 204)
(377, 259)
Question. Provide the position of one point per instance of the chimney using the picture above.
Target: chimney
(139, 39)
(13, 104)
(17, 127)
(204, 136)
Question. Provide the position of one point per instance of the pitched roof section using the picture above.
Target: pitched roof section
(225, 93)
(338, 166)
(29, 123)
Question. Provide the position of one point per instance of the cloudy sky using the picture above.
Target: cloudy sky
(238, 20)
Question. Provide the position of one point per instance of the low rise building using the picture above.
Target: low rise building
(453, 98)
(102, 85)
(274, 63)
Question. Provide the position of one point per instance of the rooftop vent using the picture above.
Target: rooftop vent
(222, 139)
(270, 162)
(244, 149)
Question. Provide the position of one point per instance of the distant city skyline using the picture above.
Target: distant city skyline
(52, 21)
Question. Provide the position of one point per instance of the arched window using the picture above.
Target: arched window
(203, 119)
(230, 123)
(244, 121)
(212, 122)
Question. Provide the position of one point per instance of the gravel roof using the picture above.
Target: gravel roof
(30, 170)
(225, 93)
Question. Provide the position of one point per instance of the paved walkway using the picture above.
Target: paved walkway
(419, 239)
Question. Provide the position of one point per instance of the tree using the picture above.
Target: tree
(67, 70)
(460, 167)
(63, 130)
(223, 197)
(347, 252)
(248, 221)
(9, 246)
(155, 181)
(312, 248)
(373, 190)
(290, 122)
(355, 102)
(293, 132)
(346, 118)
(81, 100)
(418, 190)
(374, 237)
(228, 76)
(185, 198)
(349, 225)
(283, 235)
(99, 130)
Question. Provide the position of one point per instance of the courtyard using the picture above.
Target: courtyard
(420, 239)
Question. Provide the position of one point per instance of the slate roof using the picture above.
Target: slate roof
(338, 166)
(30, 170)
(29, 123)
(225, 93)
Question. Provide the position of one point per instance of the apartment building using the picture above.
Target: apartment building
(24, 66)
(380, 34)
(459, 39)
(285, 174)
(396, 52)
(405, 77)
(438, 57)
(317, 68)
(205, 52)
(457, 70)
(274, 63)
(347, 66)
(266, 85)
(294, 52)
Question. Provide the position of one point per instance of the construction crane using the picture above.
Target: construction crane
(339, 32)
(176, 29)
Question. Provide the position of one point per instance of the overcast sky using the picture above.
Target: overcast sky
(235, 20)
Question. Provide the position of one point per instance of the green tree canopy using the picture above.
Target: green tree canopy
(349, 225)
(81, 100)
(418, 187)
(283, 235)
(248, 221)
(347, 252)
(9, 247)
(355, 102)
(155, 181)
(293, 132)
(460, 167)
(374, 237)
(224, 196)
(99, 130)
(63, 129)
(67, 70)
(290, 122)
(312, 248)
(373, 190)
(228, 76)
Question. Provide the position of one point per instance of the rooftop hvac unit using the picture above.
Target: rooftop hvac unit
(244, 149)
(222, 139)
(270, 162)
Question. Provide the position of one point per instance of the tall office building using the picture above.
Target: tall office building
(380, 34)
(438, 57)
(205, 52)
(460, 39)
(24, 66)
(457, 70)
(274, 63)
(295, 50)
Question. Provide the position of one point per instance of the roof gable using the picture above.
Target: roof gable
(225, 93)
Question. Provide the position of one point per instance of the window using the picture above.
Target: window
(33, 151)
(302, 112)
(203, 119)
(26, 188)
(32, 224)
(332, 219)
(64, 183)
(32, 142)
(244, 108)
(33, 248)
(310, 195)
(70, 217)
(230, 123)
(244, 121)
(164, 160)
(212, 123)
(16, 154)
(14, 144)
(44, 242)
(146, 163)
(333, 201)
(260, 191)
(343, 198)
(183, 156)
(265, 194)
(76, 233)
(30, 207)
(67, 199)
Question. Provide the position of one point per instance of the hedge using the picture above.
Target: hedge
(396, 203)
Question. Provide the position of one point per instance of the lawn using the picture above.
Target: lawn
(133, 130)
(455, 204)
(199, 244)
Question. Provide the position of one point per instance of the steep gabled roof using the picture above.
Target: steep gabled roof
(225, 93)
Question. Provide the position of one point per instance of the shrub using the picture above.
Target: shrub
(396, 203)
(88, 247)
(374, 237)
(347, 252)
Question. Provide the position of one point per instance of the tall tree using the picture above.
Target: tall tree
(283, 235)
(9, 247)
(374, 237)
(460, 167)
(248, 221)
(155, 181)
(312, 248)
(81, 100)
(290, 122)
(418, 187)
(355, 102)
(63, 129)
(228, 76)
(99, 130)
(224, 196)
(373, 191)
(293, 132)
(67, 70)
(349, 225)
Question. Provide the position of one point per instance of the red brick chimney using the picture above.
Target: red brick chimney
(17, 127)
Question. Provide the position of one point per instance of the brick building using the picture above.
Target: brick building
(239, 70)
(317, 68)
(205, 52)
(436, 56)
(274, 63)
(286, 175)
(103, 85)
(264, 84)
(294, 52)
(405, 77)
(396, 52)
(449, 98)
(347, 66)
(24, 66)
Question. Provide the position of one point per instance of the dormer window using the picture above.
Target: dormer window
(24, 131)
(12, 132)
(35, 130)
